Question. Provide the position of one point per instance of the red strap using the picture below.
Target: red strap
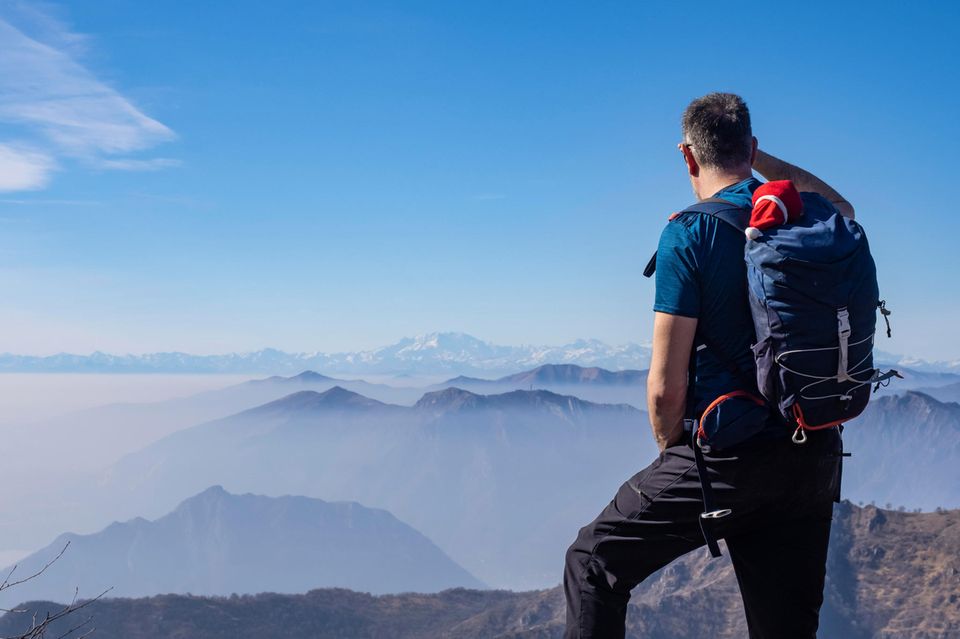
(805, 426)
(739, 393)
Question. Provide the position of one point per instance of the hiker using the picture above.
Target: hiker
(772, 498)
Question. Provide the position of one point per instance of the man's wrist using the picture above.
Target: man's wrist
(669, 438)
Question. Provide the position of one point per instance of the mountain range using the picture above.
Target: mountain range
(216, 543)
(428, 354)
(97, 436)
(905, 450)
(592, 383)
(486, 477)
(437, 353)
(83, 443)
(458, 458)
(890, 574)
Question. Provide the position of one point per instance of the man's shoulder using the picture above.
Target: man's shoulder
(697, 220)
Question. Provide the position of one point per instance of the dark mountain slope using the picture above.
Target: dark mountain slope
(890, 575)
(906, 451)
(218, 543)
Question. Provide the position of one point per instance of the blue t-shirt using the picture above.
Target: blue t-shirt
(701, 273)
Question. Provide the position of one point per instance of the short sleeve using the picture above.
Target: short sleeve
(678, 278)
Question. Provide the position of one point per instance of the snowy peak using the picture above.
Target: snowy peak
(446, 341)
(917, 364)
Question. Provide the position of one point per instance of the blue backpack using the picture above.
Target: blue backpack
(813, 294)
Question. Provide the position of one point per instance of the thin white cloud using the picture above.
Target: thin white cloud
(132, 164)
(46, 202)
(23, 170)
(48, 96)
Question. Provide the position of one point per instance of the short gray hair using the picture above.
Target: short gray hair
(717, 126)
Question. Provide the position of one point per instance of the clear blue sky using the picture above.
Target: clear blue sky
(220, 176)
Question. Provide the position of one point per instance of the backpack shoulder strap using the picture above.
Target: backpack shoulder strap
(735, 216)
(738, 218)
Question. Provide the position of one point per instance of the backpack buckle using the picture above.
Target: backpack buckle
(716, 514)
(843, 335)
(799, 436)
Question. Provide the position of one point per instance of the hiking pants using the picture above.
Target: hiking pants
(781, 495)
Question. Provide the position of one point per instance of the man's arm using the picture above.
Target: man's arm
(667, 379)
(773, 168)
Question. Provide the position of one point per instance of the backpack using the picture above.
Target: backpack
(813, 294)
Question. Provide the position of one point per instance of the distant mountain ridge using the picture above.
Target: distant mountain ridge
(470, 469)
(428, 354)
(591, 383)
(454, 398)
(217, 543)
(904, 452)
(560, 374)
(98, 436)
(339, 398)
(330, 399)
(947, 393)
(889, 574)
(435, 353)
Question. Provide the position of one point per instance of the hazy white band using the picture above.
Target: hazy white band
(778, 202)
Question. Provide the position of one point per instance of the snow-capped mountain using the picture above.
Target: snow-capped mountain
(443, 354)
(918, 364)
(429, 354)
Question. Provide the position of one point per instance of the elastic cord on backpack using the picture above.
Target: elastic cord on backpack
(848, 375)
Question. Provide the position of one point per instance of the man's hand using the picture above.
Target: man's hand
(667, 380)
(773, 168)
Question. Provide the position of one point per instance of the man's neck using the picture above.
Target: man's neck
(709, 184)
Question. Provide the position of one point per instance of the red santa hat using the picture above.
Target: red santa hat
(774, 203)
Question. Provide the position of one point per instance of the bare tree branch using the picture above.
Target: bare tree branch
(39, 630)
(6, 583)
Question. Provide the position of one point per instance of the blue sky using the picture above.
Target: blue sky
(221, 176)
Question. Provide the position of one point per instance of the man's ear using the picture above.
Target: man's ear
(753, 153)
(693, 168)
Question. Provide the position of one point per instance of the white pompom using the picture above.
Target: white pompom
(752, 233)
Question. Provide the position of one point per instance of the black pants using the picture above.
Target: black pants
(782, 498)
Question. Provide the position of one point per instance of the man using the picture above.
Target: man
(780, 494)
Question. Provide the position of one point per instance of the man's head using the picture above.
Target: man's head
(718, 144)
